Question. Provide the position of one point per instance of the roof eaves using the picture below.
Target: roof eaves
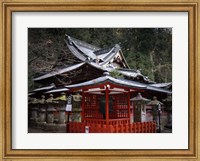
(44, 88)
(110, 79)
(58, 90)
(162, 85)
(158, 89)
(58, 71)
(127, 83)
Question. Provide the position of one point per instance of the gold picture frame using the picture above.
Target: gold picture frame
(9, 6)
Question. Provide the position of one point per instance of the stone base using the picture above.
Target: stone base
(32, 123)
(41, 125)
(169, 126)
(55, 121)
(50, 127)
(61, 128)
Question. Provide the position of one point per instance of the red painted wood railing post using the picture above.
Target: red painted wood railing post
(107, 106)
(129, 106)
(83, 108)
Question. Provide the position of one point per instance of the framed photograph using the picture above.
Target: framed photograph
(84, 80)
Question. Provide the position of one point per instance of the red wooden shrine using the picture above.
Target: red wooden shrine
(106, 108)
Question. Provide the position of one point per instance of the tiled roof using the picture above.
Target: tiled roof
(162, 85)
(57, 90)
(83, 51)
(120, 82)
(127, 72)
(110, 79)
(58, 71)
(44, 88)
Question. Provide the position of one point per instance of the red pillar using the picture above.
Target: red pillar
(107, 106)
(83, 107)
(129, 106)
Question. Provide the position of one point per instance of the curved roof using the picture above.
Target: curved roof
(68, 69)
(44, 88)
(125, 72)
(58, 71)
(84, 51)
(163, 85)
(105, 79)
(119, 82)
(58, 90)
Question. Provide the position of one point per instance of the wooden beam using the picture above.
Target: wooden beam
(107, 106)
(83, 107)
(129, 107)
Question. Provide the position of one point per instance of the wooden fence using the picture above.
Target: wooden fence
(137, 127)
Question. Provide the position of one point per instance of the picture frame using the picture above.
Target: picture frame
(10, 6)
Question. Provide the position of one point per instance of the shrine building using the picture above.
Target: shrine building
(98, 101)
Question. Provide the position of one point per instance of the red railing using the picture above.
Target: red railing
(94, 121)
(111, 121)
(119, 121)
(138, 127)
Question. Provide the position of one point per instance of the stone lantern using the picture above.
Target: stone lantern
(139, 108)
(156, 111)
(168, 103)
(76, 103)
(50, 126)
(42, 112)
(62, 101)
(50, 99)
(33, 110)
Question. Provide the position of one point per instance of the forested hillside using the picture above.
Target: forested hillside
(146, 49)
